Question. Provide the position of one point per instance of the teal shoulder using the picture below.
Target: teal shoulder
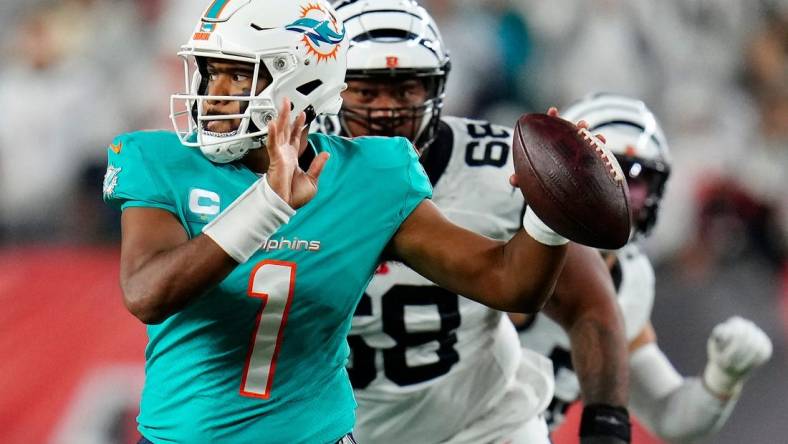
(157, 146)
(385, 167)
(375, 152)
(139, 168)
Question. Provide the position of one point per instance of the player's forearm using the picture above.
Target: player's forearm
(167, 281)
(677, 409)
(599, 359)
(584, 305)
(516, 276)
(531, 270)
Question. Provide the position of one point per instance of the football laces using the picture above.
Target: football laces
(603, 153)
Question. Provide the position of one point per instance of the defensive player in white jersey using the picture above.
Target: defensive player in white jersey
(428, 366)
(675, 408)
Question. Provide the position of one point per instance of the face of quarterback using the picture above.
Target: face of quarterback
(229, 78)
(384, 107)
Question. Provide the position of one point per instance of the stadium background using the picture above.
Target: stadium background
(76, 72)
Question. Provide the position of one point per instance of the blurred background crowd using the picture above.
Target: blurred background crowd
(75, 73)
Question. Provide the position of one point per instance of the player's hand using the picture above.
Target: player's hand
(553, 112)
(294, 185)
(735, 347)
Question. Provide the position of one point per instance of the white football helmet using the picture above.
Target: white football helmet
(395, 38)
(301, 44)
(636, 139)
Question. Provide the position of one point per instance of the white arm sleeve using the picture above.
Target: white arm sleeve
(677, 409)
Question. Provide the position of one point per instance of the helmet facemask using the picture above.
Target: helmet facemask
(418, 123)
(646, 180)
(394, 41)
(191, 115)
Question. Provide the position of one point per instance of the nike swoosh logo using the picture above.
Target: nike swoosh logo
(116, 148)
(610, 420)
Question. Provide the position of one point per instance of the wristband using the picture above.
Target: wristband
(540, 231)
(605, 420)
(250, 220)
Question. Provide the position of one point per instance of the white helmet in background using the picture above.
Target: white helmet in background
(635, 137)
(395, 39)
(300, 43)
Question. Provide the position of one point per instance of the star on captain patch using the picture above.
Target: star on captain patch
(110, 180)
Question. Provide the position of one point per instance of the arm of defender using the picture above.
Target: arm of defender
(584, 305)
(684, 409)
(161, 270)
(516, 276)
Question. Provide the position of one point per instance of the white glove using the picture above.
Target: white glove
(735, 347)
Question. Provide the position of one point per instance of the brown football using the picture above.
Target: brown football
(571, 181)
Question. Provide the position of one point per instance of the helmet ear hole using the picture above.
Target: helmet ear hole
(310, 115)
(194, 112)
(202, 72)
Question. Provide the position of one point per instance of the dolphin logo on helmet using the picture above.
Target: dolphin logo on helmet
(318, 33)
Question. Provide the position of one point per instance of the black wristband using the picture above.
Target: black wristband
(605, 420)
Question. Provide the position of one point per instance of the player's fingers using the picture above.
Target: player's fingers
(272, 134)
(723, 339)
(582, 124)
(766, 350)
(552, 111)
(744, 358)
(316, 167)
(283, 119)
(513, 180)
(295, 132)
(601, 137)
(759, 343)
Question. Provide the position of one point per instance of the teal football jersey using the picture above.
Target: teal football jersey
(261, 358)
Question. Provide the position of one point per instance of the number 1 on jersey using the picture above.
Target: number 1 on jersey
(274, 283)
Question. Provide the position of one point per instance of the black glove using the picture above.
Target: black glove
(605, 424)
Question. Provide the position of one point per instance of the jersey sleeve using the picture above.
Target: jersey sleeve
(132, 178)
(419, 184)
(636, 291)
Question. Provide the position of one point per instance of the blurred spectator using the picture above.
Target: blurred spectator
(465, 27)
(733, 224)
(72, 79)
(740, 169)
(589, 45)
(56, 116)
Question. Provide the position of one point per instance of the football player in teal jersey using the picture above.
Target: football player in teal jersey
(246, 272)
